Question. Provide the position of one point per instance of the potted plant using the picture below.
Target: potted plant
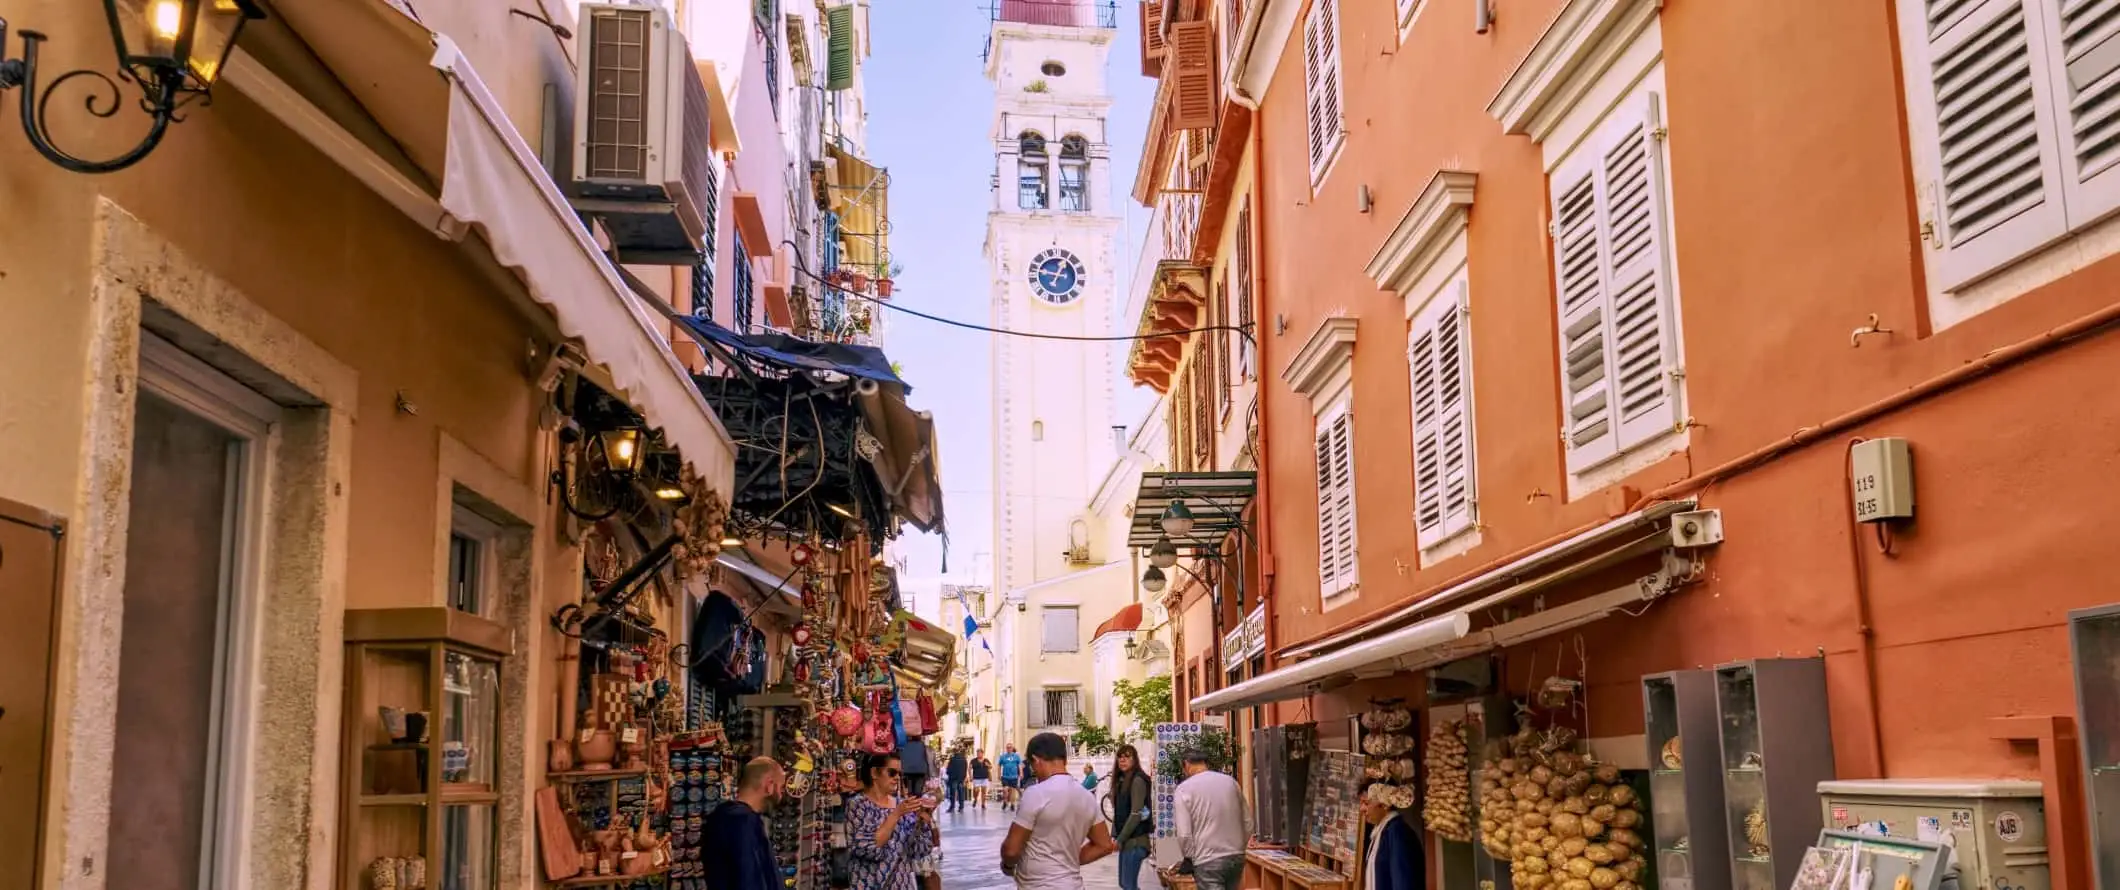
(860, 283)
(888, 279)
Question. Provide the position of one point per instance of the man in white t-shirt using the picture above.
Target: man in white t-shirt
(1056, 831)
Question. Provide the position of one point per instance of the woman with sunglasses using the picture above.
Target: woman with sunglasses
(889, 835)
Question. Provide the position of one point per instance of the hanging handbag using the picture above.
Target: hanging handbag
(927, 713)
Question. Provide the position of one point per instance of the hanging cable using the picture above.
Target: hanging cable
(804, 268)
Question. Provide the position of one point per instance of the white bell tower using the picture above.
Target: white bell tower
(1052, 253)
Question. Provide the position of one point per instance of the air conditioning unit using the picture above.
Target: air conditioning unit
(642, 163)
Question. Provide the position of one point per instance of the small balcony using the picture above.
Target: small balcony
(1058, 13)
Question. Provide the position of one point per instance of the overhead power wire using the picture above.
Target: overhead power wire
(800, 266)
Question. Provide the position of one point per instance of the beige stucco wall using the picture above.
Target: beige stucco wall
(321, 283)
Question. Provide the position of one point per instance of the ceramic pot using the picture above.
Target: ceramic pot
(559, 757)
(597, 749)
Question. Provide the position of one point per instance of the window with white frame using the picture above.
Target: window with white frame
(2012, 109)
(1618, 355)
(1590, 94)
(1321, 84)
(1323, 371)
(1054, 707)
(1439, 364)
(1059, 629)
(471, 581)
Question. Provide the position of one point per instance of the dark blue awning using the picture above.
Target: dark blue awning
(795, 353)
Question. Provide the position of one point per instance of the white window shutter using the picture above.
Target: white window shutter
(1328, 546)
(1454, 381)
(1427, 441)
(1034, 713)
(1642, 345)
(1060, 630)
(2084, 67)
(1321, 79)
(1997, 193)
(1343, 509)
(1587, 430)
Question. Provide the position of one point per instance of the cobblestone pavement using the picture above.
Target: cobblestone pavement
(971, 854)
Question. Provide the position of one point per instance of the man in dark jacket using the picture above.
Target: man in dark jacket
(956, 773)
(734, 837)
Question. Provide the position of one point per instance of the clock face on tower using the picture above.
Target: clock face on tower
(1056, 277)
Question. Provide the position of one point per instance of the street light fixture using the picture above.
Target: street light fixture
(173, 50)
(1153, 580)
(621, 450)
(1163, 554)
(1177, 519)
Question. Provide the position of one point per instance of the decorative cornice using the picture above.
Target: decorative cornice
(1438, 215)
(1582, 42)
(1329, 350)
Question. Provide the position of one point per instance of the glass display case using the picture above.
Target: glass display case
(420, 753)
(1776, 744)
(1488, 721)
(1685, 797)
(2094, 649)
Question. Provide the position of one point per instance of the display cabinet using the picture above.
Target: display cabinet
(1776, 743)
(420, 752)
(1685, 781)
(2094, 649)
(1488, 721)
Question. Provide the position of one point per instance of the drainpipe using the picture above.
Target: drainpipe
(1262, 525)
(1247, 36)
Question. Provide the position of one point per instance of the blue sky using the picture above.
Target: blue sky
(930, 109)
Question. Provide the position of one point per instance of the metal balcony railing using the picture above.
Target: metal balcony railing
(1030, 193)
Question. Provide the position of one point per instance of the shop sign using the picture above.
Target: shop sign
(1233, 649)
(1255, 632)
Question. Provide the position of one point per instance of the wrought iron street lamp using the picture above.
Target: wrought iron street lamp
(172, 50)
(1177, 519)
(1154, 580)
(621, 450)
(1163, 554)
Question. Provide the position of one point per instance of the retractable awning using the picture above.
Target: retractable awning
(444, 126)
(1433, 631)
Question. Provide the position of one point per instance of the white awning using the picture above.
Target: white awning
(449, 128)
(1449, 636)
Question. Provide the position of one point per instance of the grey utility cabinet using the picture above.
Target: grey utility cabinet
(2094, 649)
(1691, 829)
(1777, 745)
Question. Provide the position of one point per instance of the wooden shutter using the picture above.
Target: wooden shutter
(1034, 709)
(1644, 354)
(1343, 516)
(1578, 262)
(1246, 366)
(1328, 530)
(1152, 47)
(1060, 630)
(839, 47)
(2085, 62)
(1192, 49)
(1220, 319)
(1321, 79)
(1438, 357)
(1454, 380)
(1427, 440)
(1997, 194)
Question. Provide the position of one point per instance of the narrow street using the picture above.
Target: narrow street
(971, 854)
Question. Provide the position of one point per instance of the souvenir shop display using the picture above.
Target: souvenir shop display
(1686, 793)
(419, 791)
(1447, 808)
(1280, 768)
(1562, 819)
(1334, 827)
(1776, 745)
(1387, 739)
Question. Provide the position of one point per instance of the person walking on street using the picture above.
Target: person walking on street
(890, 835)
(1089, 778)
(1011, 773)
(734, 833)
(1211, 824)
(956, 773)
(1056, 830)
(1133, 790)
(1395, 855)
(982, 776)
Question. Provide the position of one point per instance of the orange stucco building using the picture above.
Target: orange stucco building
(1553, 269)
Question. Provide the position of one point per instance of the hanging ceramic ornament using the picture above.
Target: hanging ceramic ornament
(801, 554)
(802, 635)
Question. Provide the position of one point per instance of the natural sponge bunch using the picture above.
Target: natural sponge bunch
(1388, 740)
(1563, 820)
(1447, 809)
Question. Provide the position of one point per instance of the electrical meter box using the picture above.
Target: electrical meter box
(1882, 476)
(1996, 828)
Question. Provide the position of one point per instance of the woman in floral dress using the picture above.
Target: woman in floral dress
(889, 835)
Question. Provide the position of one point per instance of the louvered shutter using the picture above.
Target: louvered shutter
(1997, 190)
(839, 47)
(1454, 379)
(1152, 48)
(1192, 50)
(1427, 439)
(1321, 79)
(1644, 392)
(1034, 709)
(1343, 515)
(1328, 543)
(2084, 44)
(1587, 432)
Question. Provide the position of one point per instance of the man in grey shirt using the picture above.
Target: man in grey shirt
(1212, 829)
